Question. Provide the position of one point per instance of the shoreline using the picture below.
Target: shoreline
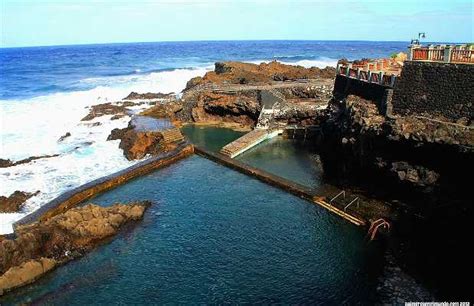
(87, 191)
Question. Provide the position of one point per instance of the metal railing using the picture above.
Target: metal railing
(462, 54)
(377, 77)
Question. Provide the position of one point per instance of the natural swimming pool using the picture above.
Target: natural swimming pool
(214, 235)
(283, 157)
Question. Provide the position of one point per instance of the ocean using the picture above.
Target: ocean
(45, 91)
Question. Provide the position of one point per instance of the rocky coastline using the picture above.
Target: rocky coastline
(417, 164)
(39, 247)
(14, 202)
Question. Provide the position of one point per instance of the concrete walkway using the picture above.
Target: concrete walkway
(248, 141)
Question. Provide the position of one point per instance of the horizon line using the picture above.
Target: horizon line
(216, 40)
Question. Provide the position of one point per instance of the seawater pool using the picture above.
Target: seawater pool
(209, 137)
(287, 158)
(214, 235)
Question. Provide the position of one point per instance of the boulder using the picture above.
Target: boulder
(41, 246)
(136, 145)
(14, 202)
(64, 137)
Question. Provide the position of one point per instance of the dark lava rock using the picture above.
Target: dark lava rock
(4, 163)
(64, 137)
(147, 96)
(14, 202)
(193, 82)
(104, 109)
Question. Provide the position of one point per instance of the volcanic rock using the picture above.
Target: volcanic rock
(105, 109)
(4, 163)
(14, 202)
(41, 246)
(264, 73)
(147, 96)
(64, 137)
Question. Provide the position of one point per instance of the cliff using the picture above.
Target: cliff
(252, 74)
(417, 158)
(234, 93)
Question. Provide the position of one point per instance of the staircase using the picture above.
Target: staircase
(172, 135)
(272, 101)
(248, 141)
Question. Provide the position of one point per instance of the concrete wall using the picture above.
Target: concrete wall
(379, 94)
(437, 89)
(347, 86)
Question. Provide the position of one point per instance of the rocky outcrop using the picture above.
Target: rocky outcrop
(68, 134)
(147, 96)
(14, 202)
(174, 110)
(264, 73)
(136, 144)
(146, 135)
(105, 109)
(242, 107)
(41, 246)
(4, 163)
(412, 155)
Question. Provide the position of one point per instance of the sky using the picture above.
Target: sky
(64, 22)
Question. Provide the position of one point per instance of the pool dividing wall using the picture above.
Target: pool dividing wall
(87, 191)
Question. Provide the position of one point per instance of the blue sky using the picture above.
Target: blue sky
(59, 22)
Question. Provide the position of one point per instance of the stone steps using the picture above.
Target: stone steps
(172, 135)
(247, 141)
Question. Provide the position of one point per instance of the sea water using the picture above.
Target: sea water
(45, 92)
(214, 236)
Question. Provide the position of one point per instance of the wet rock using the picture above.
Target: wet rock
(118, 133)
(105, 109)
(64, 137)
(136, 144)
(4, 163)
(41, 246)
(147, 96)
(14, 202)
(193, 82)
(116, 117)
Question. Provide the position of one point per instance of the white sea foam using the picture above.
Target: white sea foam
(322, 62)
(33, 126)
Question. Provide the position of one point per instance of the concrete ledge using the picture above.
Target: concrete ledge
(85, 192)
(276, 181)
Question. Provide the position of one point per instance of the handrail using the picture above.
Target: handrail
(340, 193)
(355, 199)
(377, 77)
(462, 54)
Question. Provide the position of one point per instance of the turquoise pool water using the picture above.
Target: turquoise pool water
(283, 157)
(286, 158)
(214, 235)
(209, 137)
